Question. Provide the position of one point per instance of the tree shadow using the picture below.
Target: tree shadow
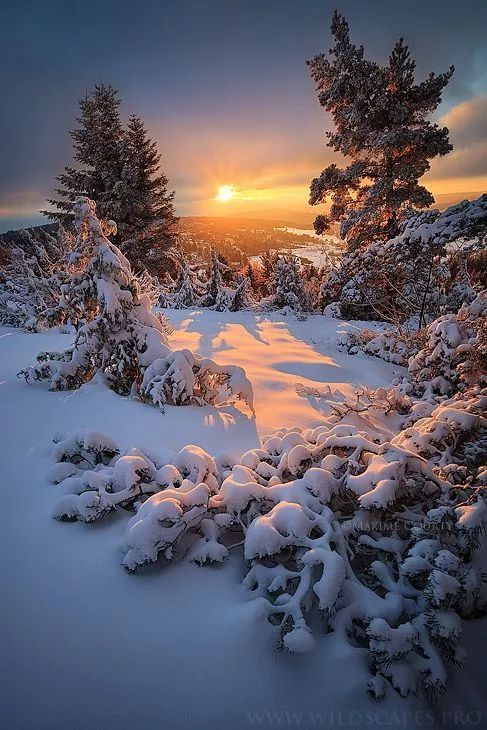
(207, 329)
(254, 330)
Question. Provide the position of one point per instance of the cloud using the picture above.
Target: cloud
(468, 134)
(20, 203)
(467, 121)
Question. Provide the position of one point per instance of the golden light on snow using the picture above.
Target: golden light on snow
(225, 192)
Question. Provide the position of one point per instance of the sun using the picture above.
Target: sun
(225, 192)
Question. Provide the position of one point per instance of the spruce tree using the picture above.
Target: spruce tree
(268, 261)
(242, 299)
(98, 149)
(380, 117)
(214, 285)
(184, 295)
(287, 285)
(249, 273)
(119, 168)
(144, 207)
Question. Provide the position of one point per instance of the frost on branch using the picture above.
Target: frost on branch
(123, 341)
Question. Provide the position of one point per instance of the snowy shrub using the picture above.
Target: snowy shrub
(124, 342)
(373, 534)
(33, 279)
(409, 276)
(332, 310)
(455, 354)
(392, 346)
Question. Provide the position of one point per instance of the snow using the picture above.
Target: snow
(87, 645)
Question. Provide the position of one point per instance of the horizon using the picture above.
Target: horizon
(246, 122)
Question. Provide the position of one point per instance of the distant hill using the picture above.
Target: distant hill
(233, 222)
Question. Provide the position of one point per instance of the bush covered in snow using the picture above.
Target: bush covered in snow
(395, 347)
(123, 341)
(448, 355)
(371, 533)
(455, 354)
(416, 275)
(33, 278)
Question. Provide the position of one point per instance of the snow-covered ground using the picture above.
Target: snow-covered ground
(85, 645)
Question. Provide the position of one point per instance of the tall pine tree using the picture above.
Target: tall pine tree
(145, 210)
(381, 126)
(98, 147)
(119, 168)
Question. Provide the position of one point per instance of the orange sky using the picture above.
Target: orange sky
(266, 171)
(224, 90)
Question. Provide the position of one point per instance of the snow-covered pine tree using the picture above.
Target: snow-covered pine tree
(184, 294)
(98, 148)
(214, 285)
(249, 272)
(380, 117)
(242, 299)
(404, 279)
(124, 342)
(144, 206)
(287, 285)
(268, 261)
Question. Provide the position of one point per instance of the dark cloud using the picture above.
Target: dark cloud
(232, 68)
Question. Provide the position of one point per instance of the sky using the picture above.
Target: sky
(224, 90)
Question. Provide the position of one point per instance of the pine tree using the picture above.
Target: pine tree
(242, 298)
(287, 285)
(185, 295)
(98, 151)
(144, 206)
(249, 273)
(268, 261)
(214, 284)
(381, 126)
(119, 168)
